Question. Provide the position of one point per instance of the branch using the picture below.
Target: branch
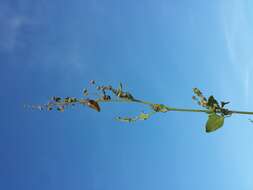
(107, 94)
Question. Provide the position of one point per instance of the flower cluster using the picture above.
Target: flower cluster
(211, 103)
(216, 111)
(103, 94)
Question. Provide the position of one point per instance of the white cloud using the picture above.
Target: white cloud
(239, 41)
(11, 27)
(11, 24)
(247, 85)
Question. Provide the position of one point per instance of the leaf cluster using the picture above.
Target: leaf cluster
(216, 112)
(106, 93)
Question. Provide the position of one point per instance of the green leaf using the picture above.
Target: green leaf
(224, 103)
(212, 102)
(214, 122)
(197, 92)
(120, 87)
(119, 91)
(144, 116)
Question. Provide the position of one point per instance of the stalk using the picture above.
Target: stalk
(175, 109)
(215, 110)
(188, 110)
(242, 112)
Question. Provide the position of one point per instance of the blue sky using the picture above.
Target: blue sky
(159, 50)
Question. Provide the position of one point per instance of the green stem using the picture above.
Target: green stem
(142, 102)
(195, 110)
(176, 109)
(241, 112)
(207, 111)
(125, 100)
(188, 110)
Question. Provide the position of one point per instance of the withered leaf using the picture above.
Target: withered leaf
(61, 109)
(85, 92)
(56, 99)
(94, 105)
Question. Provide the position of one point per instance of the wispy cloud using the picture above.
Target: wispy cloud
(11, 24)
(238, 35)
(11, 28)
(247, 84)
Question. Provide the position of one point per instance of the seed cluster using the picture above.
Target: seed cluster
(210, 104)
(102, 92)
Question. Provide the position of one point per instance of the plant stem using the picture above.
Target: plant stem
(241, 112)
(207, 111)
(196, 110)
(188, 110)
(177, 109)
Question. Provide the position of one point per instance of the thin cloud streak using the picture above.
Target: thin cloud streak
(11, 28)
(239, 39)
(12, 22)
